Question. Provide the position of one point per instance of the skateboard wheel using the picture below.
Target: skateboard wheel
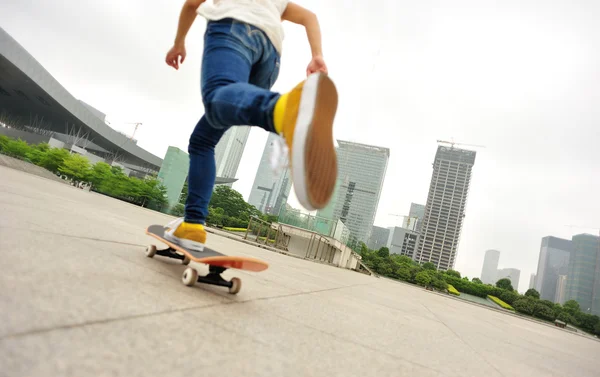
(150, 251)
(236, 285)
(189, 277)
(186, 260)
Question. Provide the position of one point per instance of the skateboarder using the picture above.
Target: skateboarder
(242, 50)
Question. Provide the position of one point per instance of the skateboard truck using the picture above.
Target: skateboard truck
(190, 275)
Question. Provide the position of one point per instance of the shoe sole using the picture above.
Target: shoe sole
(314, 161)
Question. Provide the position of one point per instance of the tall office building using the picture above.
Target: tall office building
(532, 281)
(402, 241)
(561, 289)
(229, 150)
(553, 262)
(361, 171)
(270, 191)
(445, 208)
(173, 173)
(379, 238)
(489, 270)
(414, 221)
(583, 278)
(512, 274)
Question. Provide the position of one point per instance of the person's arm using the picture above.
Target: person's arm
(301, 16)
(186, 19)
(176, 54)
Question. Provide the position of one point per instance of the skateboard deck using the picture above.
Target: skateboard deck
(216, 261)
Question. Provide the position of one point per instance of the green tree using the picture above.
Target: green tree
(178, 210)
(572, 307)
(504, 284)
(477, 281)
(453, 273)
(429, 266)
(383, 252)
(414, 271)
(565, 317)
(4, 140)
(16, 148)
(37, 152)
(508, 296)
(184, 193)
(403, 272)
(532, 293)
(402, 259)
(423, 278)
(99, 173)
(230, 200)
(215, 216)
(152, 190)
(385, 268)
(54, 158)
(525, 305)
(543, 311)
(75, 167)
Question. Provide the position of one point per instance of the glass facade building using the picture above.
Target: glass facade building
(553, 262)
(361, 172)
(270, 191)
(583, 278)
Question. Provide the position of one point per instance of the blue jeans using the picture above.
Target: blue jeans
(239, 66)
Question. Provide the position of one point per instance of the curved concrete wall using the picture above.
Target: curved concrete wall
(20, 58)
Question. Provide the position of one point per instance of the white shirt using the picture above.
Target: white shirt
(263, 14)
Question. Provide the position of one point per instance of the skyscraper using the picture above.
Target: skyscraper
(361, 171)
(553, 262)
(512, 274)
(416, 214)
(445, 208)
(561, 289)
(379, 238)
(229, 150)
(583, 278)
(490, 267)
(532, 281)
(173, 173)
(270, 191)
(402, 241)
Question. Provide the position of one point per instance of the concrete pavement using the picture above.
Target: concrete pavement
(79, 298)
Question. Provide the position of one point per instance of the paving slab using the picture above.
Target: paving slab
(79, 298)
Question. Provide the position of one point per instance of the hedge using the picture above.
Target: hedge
(453, 290)
(501, 303)
(234, 229)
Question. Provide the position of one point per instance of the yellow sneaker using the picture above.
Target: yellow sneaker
(304, 117)
(188, 235)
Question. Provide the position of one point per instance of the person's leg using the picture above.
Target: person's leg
(304, 117)
(229, 99)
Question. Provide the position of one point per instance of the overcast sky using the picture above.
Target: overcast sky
(520, 77)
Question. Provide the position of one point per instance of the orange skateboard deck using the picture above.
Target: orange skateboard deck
(217, 262)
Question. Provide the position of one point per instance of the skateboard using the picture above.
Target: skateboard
(217, 262)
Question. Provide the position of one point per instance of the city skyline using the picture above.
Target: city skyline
(516, 179)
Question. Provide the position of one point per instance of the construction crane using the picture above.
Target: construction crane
(408, 221)
(452, 143)
(137, 124)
